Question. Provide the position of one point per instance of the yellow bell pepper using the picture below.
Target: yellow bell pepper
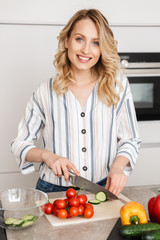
(133, 213)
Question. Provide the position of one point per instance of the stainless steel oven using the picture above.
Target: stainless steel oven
(143, 72)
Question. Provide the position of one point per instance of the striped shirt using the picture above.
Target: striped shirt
(90, 137)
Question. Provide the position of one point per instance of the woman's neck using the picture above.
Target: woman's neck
(84, 77)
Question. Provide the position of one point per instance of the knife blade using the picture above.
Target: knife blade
(79, 181)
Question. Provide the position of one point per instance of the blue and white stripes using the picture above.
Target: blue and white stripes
(90, 136)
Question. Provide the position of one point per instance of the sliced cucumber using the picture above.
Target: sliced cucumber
(94, 201)
(35, 218)
(25, 221)
(18, 223)
(28, 217)
(101, 196)
(10, 221)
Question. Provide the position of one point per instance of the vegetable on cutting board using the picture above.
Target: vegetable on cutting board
(137, 230)
(154, 209)
(94, 201)
(73, 206)
(99, 197)
(133, 213)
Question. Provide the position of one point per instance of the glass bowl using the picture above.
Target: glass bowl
(21, 207)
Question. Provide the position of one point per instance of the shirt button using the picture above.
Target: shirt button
(84, 168)
(84, 149)
(83, 131)
(82, 114)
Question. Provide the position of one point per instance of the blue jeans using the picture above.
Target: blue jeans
(49, 187)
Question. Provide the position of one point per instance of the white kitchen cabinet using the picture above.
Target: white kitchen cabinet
(150, 133)
(123, 12)
(147, 169)
(148, 163)
(137, 39)
(17, 180)
(26, 60)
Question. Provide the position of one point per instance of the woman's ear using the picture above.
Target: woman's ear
(66, 42)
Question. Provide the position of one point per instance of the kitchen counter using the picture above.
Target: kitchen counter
(91, 231)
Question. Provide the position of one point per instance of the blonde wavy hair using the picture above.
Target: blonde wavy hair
(107, 65)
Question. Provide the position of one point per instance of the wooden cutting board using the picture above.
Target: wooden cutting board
(105, 210)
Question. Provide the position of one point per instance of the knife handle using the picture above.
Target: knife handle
(72, 176)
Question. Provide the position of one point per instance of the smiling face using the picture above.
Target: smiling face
(83, 45)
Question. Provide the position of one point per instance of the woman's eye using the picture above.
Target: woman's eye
(79, 39)
(96, 43)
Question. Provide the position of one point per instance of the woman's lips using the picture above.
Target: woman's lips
(83, 59)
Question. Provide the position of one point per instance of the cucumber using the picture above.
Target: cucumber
(14, 222)
(137, 230)
(18, 223)
(151, 235)
(101, 196)
(10, 221)
(25, 221)
(94, 201)
(35, 218)
(27, 217)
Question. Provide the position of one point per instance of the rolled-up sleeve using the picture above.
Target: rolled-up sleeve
(29, 129)
(128, 137)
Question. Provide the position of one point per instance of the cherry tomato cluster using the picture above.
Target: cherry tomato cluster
(72, 206)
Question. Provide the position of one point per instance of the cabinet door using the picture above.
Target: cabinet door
(26, 59)
(147, 168)
(18, 180)
(117, 12)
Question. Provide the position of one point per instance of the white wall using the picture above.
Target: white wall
(28, 31)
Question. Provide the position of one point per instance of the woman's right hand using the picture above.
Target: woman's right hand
(59, 165)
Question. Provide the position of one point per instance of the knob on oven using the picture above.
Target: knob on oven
(124, 63)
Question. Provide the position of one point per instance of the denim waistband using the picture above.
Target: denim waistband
(50, 187)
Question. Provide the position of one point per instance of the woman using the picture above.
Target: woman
(85, 114)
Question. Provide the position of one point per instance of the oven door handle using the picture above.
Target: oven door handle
(142, 72)
(144, 65)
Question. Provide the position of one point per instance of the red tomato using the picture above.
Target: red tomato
(67, 202)
(82, 199)
(88, 205)
(80, 210)
(60, 203)
(73, 211)
(71, 193)
(43, 207)
(55, 211)
(48, 208)
(74, 202)
(54, 203)
(69, 216)
(88, 212)
(62, 213)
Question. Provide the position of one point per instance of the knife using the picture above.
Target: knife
(79, 181)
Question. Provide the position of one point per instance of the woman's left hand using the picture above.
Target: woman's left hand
(116, 180)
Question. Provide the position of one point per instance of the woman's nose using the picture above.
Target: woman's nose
(85, 48)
